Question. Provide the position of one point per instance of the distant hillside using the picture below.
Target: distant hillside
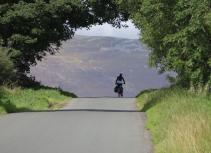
(88, 66)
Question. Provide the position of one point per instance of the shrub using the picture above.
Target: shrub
(6, 66)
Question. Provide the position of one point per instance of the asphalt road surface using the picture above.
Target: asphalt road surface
(86, 125)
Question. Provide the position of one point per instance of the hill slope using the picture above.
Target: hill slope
(88, 66)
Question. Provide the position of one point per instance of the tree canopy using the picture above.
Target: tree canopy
(177, 31)
(30, 29)
(179, 34)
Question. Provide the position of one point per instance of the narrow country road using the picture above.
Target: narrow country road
(86, 125)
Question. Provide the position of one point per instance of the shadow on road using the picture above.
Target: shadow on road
(82, 110)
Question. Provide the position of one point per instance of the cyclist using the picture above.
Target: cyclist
(119, 82)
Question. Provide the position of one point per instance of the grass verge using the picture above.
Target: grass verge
(32, 99)
(179, 121)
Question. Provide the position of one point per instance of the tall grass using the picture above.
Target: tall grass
(28, 99)
(180, 122)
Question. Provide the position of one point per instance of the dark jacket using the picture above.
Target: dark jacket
(119, 78)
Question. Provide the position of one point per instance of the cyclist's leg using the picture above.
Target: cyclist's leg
(118, 90)
(122, 91)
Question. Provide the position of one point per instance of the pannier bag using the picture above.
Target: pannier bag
(116, 89)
